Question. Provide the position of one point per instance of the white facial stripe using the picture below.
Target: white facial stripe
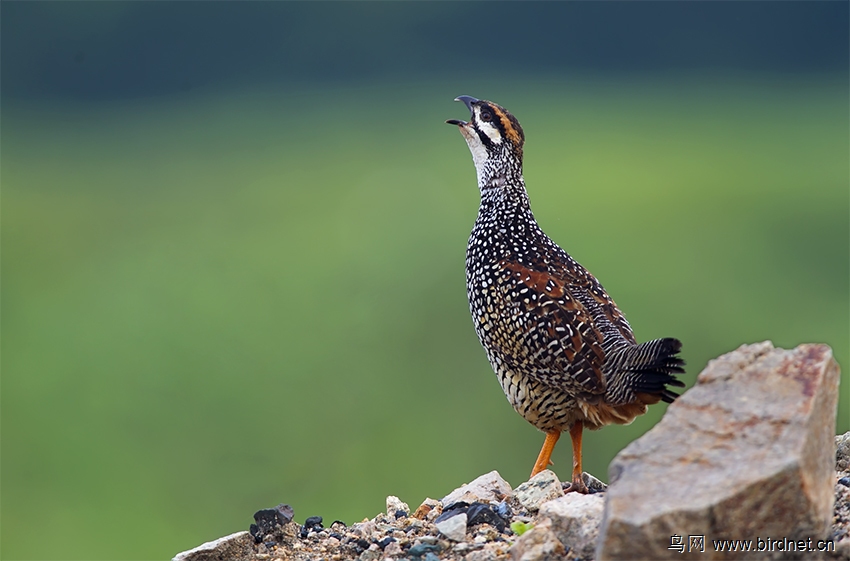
(487, 128)
(476, 147)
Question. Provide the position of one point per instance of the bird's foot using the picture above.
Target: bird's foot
(585, 484)
(576, 486)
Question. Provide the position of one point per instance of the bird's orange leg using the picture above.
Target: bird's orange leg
(577, 484)
(546, 452)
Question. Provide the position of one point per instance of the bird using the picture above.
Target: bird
(564, 353)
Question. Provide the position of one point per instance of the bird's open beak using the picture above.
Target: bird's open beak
(468, 100)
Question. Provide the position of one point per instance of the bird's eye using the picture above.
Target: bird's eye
(486, 116)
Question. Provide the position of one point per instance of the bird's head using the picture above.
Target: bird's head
(495, 139)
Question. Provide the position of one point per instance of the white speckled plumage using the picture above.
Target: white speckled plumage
(562, 350)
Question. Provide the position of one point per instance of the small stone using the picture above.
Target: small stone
(421, 549)
(431, 540)
(455, 509)
(393, 550)
(538, 544)
(371, 554)
(593, 484)
(575, 520)
(313, 522)
(394, 505)
(366, 528)
(427, 506)
(268, 519)
(503, 509)
(541, 488)
(845, 481)
(431, 557)
(385, 542)
(481, 555)
(480, 513)
(487, 488)
(453, 528)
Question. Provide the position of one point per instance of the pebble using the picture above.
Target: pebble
(453, 528)
(480, 513)
(489, 487)
(454, 510)
(367, 527)
(393, 550)
(421, 549)
(268, 519)
(394, 505)
(541, 488)
(430, 540)
(845, 481)
(427, 506)
(313, 522)
(385, 542)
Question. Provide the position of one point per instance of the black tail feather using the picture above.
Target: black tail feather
(651, 367)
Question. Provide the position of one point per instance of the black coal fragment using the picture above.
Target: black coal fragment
(504, 511)
(457, 508)
(268, 519)
(400, 514)
(314, 522)
(480, 513)
(845, 481)
(385, 542)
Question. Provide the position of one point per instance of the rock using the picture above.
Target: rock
(268, 519)
(365, 528)
(235, 547)
(541, 488)
(427, 507)
(422, 549)
(489, 487)
(393, 549)
(842, 452)
(480, 513)
(481, 555)
(593, 485)
(749, 451)
(453, 527)
(394, 505)
(538, 544)
(575, 520)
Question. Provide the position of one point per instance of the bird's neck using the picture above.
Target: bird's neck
(505, 197)
(498, 173)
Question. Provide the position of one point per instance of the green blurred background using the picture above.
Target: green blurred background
(233, 239)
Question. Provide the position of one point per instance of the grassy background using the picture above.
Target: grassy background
(216, 303)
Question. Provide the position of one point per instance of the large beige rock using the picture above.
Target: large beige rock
(747, 453)
(235, 547)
